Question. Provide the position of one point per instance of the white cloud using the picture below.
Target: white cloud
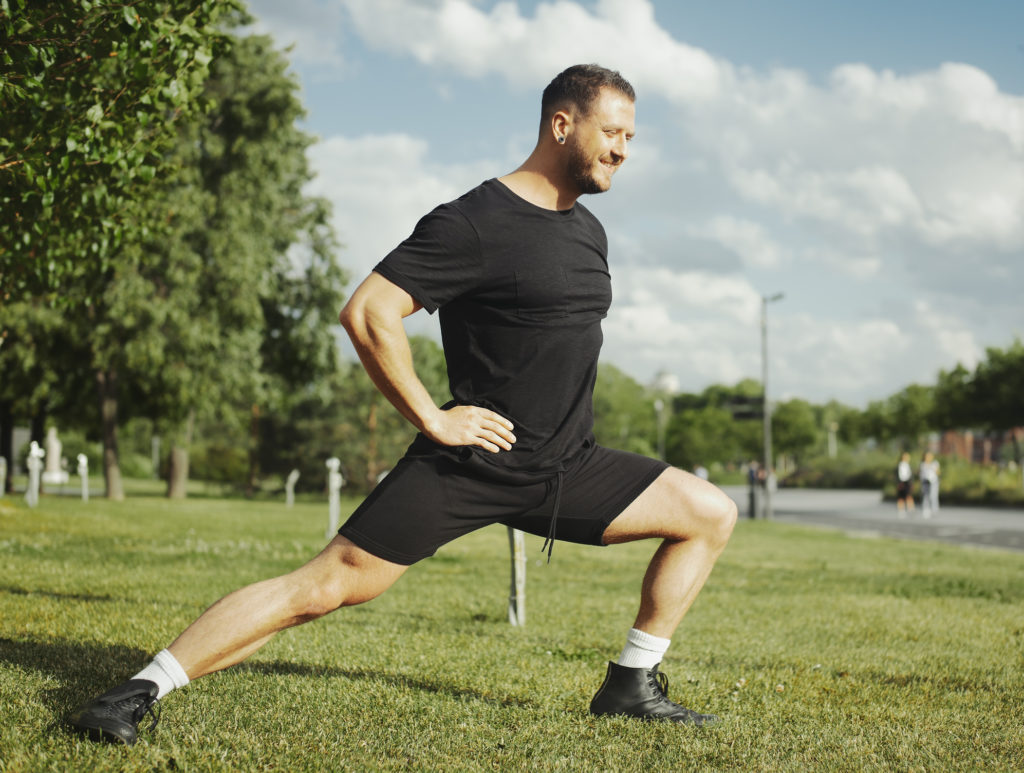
(379, 187)
(747, 239)
(529, 50)
(947, 333)
(894, 192)
(312, 29)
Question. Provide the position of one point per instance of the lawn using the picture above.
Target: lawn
(821, 651)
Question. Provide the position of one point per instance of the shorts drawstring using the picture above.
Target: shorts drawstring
(549, 543)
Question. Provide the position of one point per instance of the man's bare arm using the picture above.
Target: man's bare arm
(373, 319)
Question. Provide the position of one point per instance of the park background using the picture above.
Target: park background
(189, 192)
(181, 224)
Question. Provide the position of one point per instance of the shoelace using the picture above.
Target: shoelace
(145, 706)
(660, 682)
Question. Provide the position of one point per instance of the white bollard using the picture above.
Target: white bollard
(517, 590)
(35, 466)
(83, 473)
(289, 488)
(3, 476)
(334, 483)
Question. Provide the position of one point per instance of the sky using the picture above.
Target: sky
(865, 160)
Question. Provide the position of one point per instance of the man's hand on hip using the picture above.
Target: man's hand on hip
(470, 425)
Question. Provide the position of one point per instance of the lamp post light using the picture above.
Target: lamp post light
(768, 468)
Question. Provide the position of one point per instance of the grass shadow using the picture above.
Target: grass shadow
(83, 669)
(14, 591)
(395, 680)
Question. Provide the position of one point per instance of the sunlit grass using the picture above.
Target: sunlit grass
(821, 651)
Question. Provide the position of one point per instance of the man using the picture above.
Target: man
(519, 273)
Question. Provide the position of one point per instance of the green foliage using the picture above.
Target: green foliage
(34, 339)
(849, 469)
(347, 417)
(796, 428)
(224, 299)
(904, 417)
(249, 286)
(821, 651)
(624, 414)
(966, 483)
(997, 389)
(705, 428)
(91, 94)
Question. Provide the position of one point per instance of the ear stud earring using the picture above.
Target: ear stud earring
(561, 140)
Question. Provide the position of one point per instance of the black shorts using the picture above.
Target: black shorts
(428, 501)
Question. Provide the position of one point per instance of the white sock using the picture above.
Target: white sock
(642, 650)
(166, 671)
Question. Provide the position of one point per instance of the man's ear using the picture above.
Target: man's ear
(561, 125)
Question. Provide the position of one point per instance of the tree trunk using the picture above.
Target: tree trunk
(7, 441)
(177, 475)
(106, 384)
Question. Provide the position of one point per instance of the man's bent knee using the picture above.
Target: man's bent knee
(708, 511)
(724, 518)
(343, 575)
(677, 506)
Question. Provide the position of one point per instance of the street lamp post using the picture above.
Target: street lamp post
(767, 498)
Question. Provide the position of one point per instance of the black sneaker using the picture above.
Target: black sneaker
(115, 715)
(642, 693)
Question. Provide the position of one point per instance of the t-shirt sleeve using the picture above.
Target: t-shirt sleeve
(437, 263)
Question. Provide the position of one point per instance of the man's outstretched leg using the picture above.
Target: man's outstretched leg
(234, 628)
(695, 519)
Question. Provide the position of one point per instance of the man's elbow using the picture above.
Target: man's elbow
(348, 316)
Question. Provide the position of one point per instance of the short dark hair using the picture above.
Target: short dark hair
(579, 86)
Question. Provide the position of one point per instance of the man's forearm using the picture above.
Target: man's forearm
(383, 348)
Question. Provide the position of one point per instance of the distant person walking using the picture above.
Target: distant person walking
(904, 485)
(929, 475)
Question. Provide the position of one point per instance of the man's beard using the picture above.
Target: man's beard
(581, 171)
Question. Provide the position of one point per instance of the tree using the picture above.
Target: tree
(34, 339)
(954, 405)
(997, 391)
(795, 428)
(344, 415)
(91, 92)
(269, 289)
(624, 414)
(240, 269)
(705, 436)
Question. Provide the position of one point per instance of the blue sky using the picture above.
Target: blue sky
(867, 159)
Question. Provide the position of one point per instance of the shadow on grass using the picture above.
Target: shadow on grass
(278, 668)
(53, 594)
(83, 669)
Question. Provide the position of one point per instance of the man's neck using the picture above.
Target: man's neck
(540, 188)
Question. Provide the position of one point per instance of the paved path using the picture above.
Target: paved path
(864, 512)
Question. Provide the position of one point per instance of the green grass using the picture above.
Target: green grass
(821, 651)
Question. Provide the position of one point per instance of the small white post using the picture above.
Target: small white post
(334, 483)
(35, 466)
(83, 472)
(289, 488)
(517, 589)
(3, 476)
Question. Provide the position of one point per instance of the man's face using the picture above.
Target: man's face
(598, 145)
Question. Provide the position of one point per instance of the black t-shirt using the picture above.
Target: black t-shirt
(522, 291)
